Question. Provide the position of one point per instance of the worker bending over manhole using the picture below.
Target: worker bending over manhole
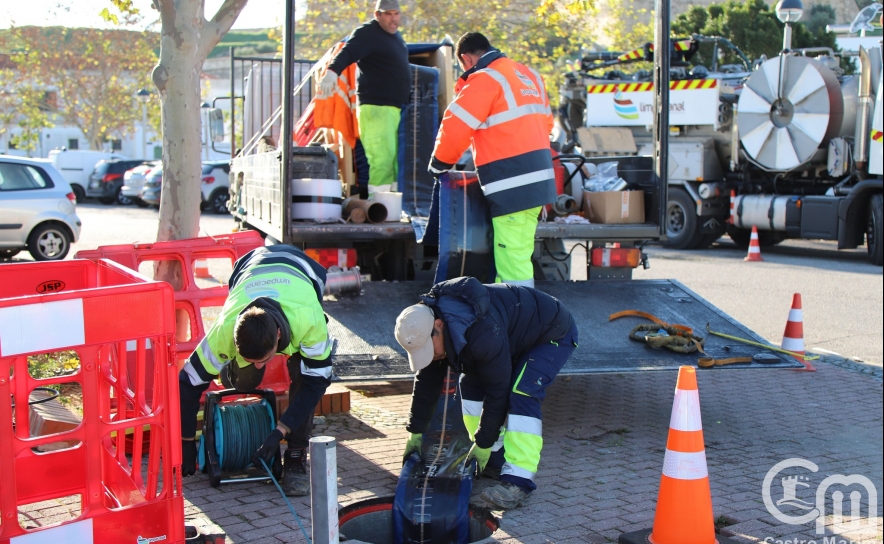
(508, 343)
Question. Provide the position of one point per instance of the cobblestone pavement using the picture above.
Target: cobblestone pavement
(604, 443)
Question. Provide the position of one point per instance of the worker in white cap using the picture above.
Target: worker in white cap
(508, 342)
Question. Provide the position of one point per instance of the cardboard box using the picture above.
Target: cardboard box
(613, 207)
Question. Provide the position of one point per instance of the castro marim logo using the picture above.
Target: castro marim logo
(624, 107)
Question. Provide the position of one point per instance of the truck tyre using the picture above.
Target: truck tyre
(873, 231)
(681, 220)
(49, 242)
(766, 238)
(79, 192)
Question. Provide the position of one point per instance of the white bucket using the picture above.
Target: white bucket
(393, 203)
(316, 199)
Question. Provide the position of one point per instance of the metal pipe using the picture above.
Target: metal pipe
(787, 37)
(863, 114)
(324, 490)
(661, 106)
(564, 205)
(231, 52)
(288, 55)
(344, 281)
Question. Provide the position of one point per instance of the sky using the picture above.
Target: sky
(84, 13)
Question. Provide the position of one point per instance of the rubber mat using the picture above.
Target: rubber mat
(433, 494)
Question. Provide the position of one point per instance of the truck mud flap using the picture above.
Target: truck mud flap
(367, 350)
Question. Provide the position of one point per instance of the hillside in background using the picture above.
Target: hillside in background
(247, 42)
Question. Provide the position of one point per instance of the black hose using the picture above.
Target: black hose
(242, 430)
(54, 396)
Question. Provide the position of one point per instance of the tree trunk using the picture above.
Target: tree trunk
(187, 38)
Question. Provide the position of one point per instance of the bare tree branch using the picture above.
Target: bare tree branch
(218, 26)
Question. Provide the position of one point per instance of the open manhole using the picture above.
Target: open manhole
(371, 521)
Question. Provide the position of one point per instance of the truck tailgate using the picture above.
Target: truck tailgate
(367, 350)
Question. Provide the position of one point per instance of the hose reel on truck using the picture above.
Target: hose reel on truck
(788, 109)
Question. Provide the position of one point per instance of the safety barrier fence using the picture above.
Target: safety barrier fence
(119, 328)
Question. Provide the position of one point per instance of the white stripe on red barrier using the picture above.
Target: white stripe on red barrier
(792, 344)
(41, 327)
(685, 466)
(79, 532)
(686, 411)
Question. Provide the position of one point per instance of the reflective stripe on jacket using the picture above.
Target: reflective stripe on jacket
(502, 109)
(338, 111)
(286, 275)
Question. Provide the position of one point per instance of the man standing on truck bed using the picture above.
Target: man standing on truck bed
(382, 89)
(274, 306)
(508, 343)
(502, 110)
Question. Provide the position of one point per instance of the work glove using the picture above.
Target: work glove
(188, 458)
(412, 446)
(268, 450)
(481, 455)
(437, 167)
(327, 83)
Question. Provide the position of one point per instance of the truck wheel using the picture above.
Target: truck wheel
(79, 192)
(873, 231)
(766, 238)
(681, 220)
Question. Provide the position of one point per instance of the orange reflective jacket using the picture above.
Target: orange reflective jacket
(502, 109)
(338, 111)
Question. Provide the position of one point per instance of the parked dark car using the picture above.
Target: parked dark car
(107, 180)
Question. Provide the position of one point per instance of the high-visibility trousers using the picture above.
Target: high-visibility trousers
(514, 245)
(522, 435)
(379, 132)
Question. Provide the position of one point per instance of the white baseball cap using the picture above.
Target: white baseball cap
(414, 326)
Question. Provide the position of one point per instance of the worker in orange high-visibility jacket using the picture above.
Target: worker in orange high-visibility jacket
(335, 107)
(502, 111)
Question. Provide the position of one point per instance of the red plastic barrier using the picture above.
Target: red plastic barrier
(94, 308)
(191, 299)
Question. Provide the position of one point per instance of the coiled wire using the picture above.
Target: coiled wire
(240, 429)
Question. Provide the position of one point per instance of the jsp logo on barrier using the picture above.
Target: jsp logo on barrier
(816, 508)
(142, 540)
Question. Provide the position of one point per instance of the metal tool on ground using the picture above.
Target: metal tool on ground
(433, 493)
(754, 254)
(684, 503)
(233, 430)
(801, 357)
(793, 336)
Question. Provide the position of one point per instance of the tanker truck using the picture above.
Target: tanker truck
(789, 145)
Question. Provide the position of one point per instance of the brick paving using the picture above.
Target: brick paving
(605, 438)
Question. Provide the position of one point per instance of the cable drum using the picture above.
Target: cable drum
(787, 115)
(240, 429)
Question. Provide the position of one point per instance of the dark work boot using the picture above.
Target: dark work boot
(296, 482)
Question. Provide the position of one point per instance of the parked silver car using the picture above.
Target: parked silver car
(37, 210)
(133, 181)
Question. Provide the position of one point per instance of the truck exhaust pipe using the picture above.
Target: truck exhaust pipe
(863, 114)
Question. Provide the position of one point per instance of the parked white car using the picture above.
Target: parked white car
(75, 166)
(37, 210)
(215, 186)
(133, 181)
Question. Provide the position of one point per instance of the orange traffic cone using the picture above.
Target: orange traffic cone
(201, 268)
(684, 503)
(730, 219)
(754, 249)
(793, 336)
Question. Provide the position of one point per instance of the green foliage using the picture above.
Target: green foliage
(627, 31)
(540, 34)
(24, 106)
(93, 73)
(51, 365)
(752, 26)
